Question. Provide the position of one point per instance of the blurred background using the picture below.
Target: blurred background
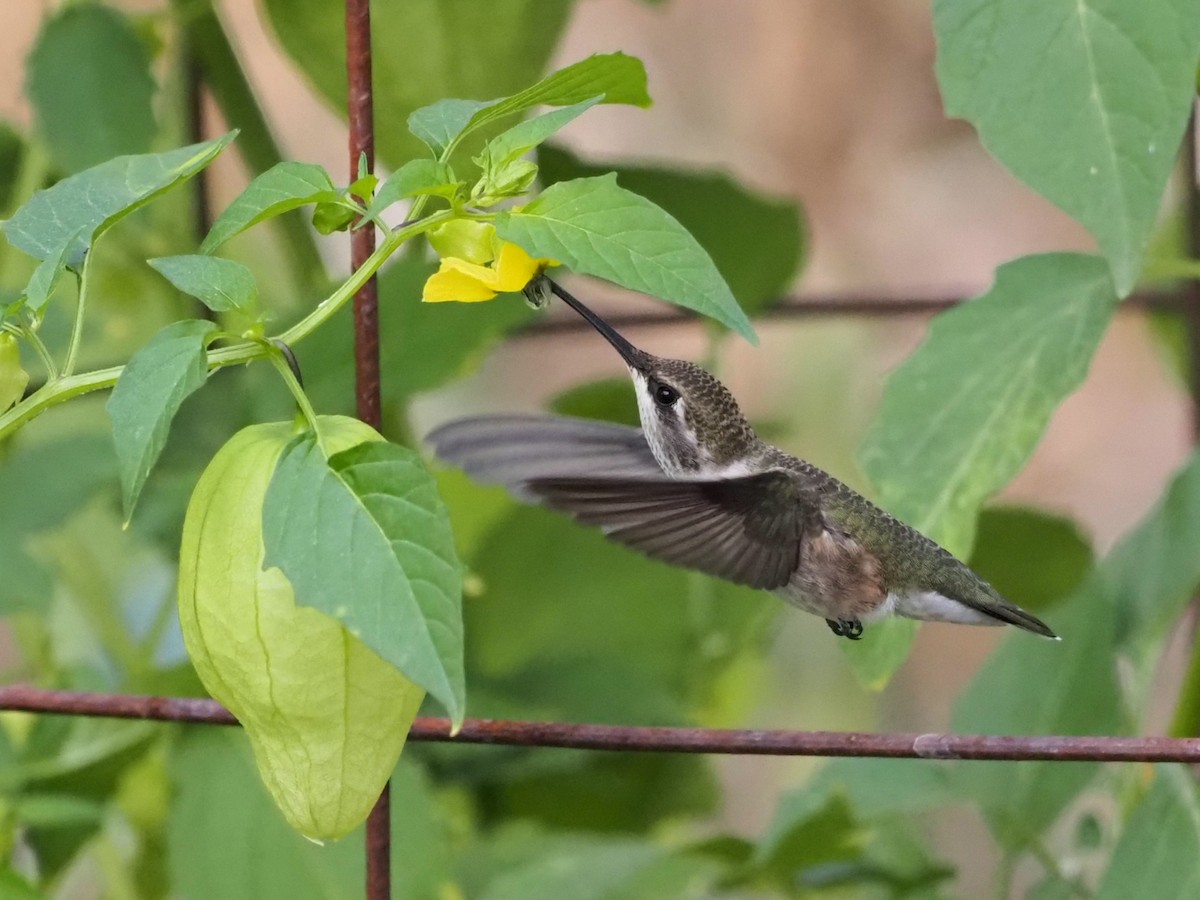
(828, 108)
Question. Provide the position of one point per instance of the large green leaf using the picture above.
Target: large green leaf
(149, 392)
(363, 536)
(1085, 100)
(756, 242)
(88, 79)
(597, 228)
(459, 48)
(220, 284)
(1156, 856)
(78, 209)
(1033, 557)
(1035, 686)
(962, 414)
(283, 187)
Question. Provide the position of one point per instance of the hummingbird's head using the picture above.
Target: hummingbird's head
(692, 423)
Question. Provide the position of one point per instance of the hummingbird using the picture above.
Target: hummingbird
(696, 487)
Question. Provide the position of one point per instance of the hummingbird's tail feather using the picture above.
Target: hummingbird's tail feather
(511, 450)
(1012, 614)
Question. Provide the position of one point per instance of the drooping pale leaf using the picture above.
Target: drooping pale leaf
(78, 209)
(463, 50)
(1032, 557)
(1084, 100)
(220, 284)
(327, 718)
(417, 176)
(283, 187)
(595, 227)
(1031, 685)
(89, 82)
(364, 537)
(756, 242)
(45, 277)
(1156, 855)
(13, 378)
(619, 78)
(962, 414)
(524, 136)
(149, 392)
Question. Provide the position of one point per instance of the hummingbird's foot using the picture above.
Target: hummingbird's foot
(847, 628)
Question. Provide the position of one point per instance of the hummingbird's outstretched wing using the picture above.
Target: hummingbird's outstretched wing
(746, 530)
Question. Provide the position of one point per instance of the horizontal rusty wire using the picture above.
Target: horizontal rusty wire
(866, 306)
(652, 739)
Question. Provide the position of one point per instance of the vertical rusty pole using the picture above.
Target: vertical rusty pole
(366, 354)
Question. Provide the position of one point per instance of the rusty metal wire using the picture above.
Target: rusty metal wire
(576, 736)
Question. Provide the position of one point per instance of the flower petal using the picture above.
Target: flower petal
(515, 268)
(452, 283)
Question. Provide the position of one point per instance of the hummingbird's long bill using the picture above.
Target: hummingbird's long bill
(634, 357)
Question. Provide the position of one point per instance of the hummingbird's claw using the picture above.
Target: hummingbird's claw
(847, 628)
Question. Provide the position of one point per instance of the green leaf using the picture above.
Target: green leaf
(464, 50)
(1084, 100)
(962, 414)
(502, 151)
(1033, 557)
(812, 830)
(597, 228)
(282, 187)
(12, 377)
(364, 537)
(417, 176)
(46, 275)
(756, 242)
(89, 82)
(1012, 694)
(1156, 855)
(149, 392)
(619, 78)
(220, 284)
(94, 200)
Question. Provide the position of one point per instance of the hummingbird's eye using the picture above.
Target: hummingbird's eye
(665, 395)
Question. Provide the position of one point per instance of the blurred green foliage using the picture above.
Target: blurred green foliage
(561, 625)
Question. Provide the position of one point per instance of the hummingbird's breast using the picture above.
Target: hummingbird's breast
(837, 578)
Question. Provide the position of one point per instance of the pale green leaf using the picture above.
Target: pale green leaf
(1156, 855)
(1084, 100)
(756, 242)
(78, 209)
(283, 187)
(220, 284)
(46, 276)
(619, 78)
(417, 176)
(450, 50)
(364, 537)
(149, 392)
(524, 136)
(89, 82)
(595, 227)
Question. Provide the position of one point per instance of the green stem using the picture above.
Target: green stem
(39, 346)
(293, 385)
(80, 309)
(69, 386)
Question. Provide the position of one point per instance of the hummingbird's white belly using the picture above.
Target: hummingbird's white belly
(929, 606)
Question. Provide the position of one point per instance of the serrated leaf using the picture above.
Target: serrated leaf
(1156, 855)
(364, 537)
(285, 186)
(78, 209)
(417, 176)
(45, 277)
(89, 82)
(220, 284)
(962, 414)
(756, 242)
(464, 50)
(1084, 100)
(619, 78)
(595, 227)
(149, 392)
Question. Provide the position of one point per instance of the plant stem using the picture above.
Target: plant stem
(80, 308)
(69, 386)
(38, 345)
(293, 385)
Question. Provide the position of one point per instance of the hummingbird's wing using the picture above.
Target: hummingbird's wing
(746, 530)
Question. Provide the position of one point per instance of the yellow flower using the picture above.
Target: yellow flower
(510, 269)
